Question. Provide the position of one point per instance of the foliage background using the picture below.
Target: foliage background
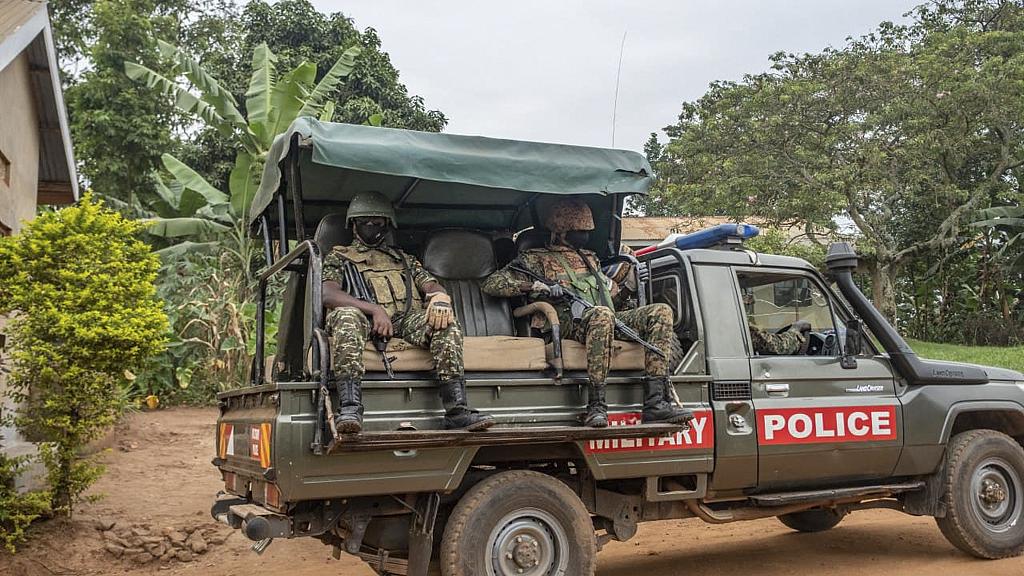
(900, 139)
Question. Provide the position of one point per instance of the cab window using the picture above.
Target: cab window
(774, 301)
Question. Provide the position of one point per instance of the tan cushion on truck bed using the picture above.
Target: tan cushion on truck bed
(625, 355)
(480, 354)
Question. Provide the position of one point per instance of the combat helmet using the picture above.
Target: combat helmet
(569, 214)
(370, 203)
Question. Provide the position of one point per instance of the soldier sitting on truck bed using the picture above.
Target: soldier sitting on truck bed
(570, 267)
(400, 286)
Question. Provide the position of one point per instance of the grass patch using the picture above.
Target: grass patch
(1004, 356)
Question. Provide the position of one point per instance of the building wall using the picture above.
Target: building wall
(19, 145)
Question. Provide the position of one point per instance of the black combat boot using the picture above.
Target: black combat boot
(658, 406)
(348, 412)
(597, 407)
(457, 413)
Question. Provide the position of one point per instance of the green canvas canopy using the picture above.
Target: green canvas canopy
(439, 180)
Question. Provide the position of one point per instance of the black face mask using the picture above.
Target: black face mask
(577, 238)
(371, 234)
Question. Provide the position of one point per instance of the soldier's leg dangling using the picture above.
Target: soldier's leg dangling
(446, 350)
(598, 333)
(349, 330)
(654, 324)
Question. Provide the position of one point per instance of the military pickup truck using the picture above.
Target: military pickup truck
(853, 420)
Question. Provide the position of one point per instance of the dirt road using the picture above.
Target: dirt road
(160, 481)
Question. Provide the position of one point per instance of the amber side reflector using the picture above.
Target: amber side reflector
(271, 495)
(265, 445)
(225, 440)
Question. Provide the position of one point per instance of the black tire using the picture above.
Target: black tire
(984, 494)
(514, 518)
(812, 520)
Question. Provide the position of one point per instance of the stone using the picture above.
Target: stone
(103, 524)
(140, 531)
(143, 558)
(176, 537)
(217, 539)
(110, 536)
(196, 543)
(114, 549)
(133, 550)
(167, 556)
(151, 539)
(183, 556)
(157, 549)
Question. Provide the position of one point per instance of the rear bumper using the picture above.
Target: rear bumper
(255, 521)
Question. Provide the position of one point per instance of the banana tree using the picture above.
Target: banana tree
(271, 102)
(195, 216)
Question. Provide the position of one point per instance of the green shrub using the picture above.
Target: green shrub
(17, 510)
(80, 287)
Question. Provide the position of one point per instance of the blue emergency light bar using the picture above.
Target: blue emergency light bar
(716, 235)
(707, 238)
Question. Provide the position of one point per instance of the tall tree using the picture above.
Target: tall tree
(904, 133)
(120, 128)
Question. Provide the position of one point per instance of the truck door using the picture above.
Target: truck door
(817, 423)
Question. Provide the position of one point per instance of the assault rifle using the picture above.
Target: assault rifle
(584, 304)
(356, 287)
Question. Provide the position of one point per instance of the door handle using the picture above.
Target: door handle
(776, 389)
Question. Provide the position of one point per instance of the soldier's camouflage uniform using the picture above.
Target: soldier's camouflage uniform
(384, 269)
(596, 329)
(784, 344)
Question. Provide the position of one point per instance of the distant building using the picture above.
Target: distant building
(37, 166)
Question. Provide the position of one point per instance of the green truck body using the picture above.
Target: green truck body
(854, 421)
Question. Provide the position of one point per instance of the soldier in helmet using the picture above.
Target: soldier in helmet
(570, 266)
(412, 305)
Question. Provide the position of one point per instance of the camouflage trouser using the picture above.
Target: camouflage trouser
(596, 331)
(784, 344)
(349, 330)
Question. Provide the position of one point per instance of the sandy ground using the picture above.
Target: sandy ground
(159, 477)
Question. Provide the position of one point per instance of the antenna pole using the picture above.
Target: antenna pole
(618, 74)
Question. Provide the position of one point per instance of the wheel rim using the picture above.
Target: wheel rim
(996, 495)
(528, 542)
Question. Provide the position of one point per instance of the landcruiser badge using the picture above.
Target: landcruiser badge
(866, 388)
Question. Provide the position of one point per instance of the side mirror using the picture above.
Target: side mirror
(852, 346)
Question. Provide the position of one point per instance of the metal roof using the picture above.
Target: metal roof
(25, 28)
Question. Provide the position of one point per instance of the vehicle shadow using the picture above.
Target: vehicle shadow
(887, 542)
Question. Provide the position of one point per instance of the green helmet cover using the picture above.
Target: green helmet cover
(370, 203)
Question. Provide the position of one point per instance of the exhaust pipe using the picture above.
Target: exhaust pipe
(842, 261)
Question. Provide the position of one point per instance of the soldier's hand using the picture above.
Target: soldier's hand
(801, 326)
(382, 323)
(552, 291)
(440, 314)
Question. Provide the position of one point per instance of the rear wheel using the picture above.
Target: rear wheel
(519, 523)
(984, 494)
(812, 520)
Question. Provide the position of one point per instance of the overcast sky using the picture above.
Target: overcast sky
(545, 70)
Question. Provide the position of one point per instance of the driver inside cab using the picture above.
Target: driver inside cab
(767, 342)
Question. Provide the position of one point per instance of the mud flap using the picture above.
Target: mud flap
(421, 533)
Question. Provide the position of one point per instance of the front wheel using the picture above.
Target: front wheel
(984, 494)
(519, 523)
